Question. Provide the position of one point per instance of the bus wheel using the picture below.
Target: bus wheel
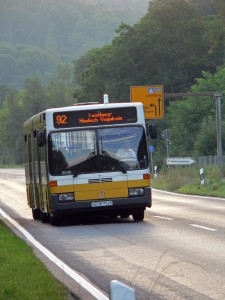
(36, 213)
(138, 215)
(54, 221)
(44, 217)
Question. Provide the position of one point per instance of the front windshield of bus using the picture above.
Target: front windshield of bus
(98, 150)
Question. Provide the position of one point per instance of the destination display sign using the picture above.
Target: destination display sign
(95, 117)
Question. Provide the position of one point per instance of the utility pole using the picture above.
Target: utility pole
(218, 97)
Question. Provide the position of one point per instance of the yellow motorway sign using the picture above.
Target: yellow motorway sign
(152, 98)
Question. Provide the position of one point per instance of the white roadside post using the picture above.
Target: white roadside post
(120, 291)
(155, 171)
(202, 176)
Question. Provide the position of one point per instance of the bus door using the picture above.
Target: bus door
(41, 176)
(28, 168)
(30, 172)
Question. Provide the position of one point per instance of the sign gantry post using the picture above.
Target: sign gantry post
(218, 97)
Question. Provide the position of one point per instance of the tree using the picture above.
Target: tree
(17, 63)
(215, 34)
(172, 38)
(193, 120)
(95, 75)
(11, 119)
(206, 142)
(59, 90)
(34, 97)
(205, 7)
(166, 47)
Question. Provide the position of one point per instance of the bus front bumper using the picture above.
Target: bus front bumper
(114, 206)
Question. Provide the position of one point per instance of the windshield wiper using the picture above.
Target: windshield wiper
(81, 169)
(84, 164)
(115, 162)
(93, 159)
(121, 168)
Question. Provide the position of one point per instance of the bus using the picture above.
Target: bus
(74, 162)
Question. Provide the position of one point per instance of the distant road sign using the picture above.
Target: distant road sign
(183, 161)
(152, 98)
(166, 134)
(151, 149)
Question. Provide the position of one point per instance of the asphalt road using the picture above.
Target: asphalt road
(178, 252)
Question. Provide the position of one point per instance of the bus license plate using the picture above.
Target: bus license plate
(101, 203)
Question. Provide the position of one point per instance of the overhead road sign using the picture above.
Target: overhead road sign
(180, 161)
(152, 98)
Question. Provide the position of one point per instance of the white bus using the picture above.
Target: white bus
(75, 161)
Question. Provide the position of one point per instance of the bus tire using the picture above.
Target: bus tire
(54, 221)
(36, 213)
(44, 217)
(138, 215)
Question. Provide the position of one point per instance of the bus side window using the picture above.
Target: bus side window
(41, 138)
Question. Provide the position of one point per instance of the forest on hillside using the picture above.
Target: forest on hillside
(37, 36)
(179, 44)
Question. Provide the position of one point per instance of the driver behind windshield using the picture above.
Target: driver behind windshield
(126, 153)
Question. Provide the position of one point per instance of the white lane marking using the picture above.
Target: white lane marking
(203, 227)
(165, 218)
(81, 281)
(189, 196)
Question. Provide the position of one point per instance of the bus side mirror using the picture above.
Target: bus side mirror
(41, 138)
(152, 131)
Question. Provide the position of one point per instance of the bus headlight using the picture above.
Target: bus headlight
(66, 197)
(136, 192)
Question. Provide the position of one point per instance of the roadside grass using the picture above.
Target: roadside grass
(186, 180)
(22, 275)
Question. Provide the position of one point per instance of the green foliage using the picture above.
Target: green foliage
(36, 36)
(96, 70)
(205, 143)
(193, 120)
(166, 47)
(18, 63)
(205, 7)
(175, 44)
(175, 177)
(19, 106)
(23, 276)
(59, 90)
(186, 180)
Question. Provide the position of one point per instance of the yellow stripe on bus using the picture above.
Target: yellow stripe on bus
(103, 190)
(101, 194)
(138, 183)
